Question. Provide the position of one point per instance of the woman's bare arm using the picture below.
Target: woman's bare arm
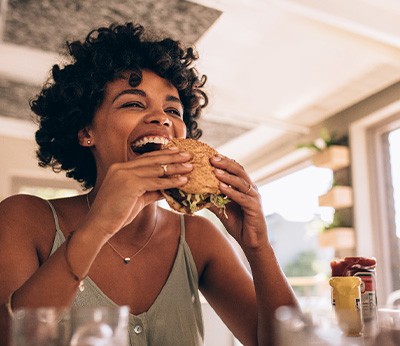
(22, 224)
(245, 302)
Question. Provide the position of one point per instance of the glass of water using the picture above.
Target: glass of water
(100, 326)
(389, 327)
(42, 326)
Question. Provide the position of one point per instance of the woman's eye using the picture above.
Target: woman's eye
(132, 105)
(174, 112)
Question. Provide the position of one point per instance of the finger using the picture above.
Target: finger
(230, 166)
(164, 167)
(159, 170)
(251, 201)
(156, 184)
(151, 197)
(157, 158)
(238, 183)
(173, 169)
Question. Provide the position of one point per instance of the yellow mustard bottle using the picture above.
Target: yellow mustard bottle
(346, 301)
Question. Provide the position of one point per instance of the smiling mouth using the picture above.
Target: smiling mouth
(148, 144)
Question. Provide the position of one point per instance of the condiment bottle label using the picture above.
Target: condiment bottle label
(346, 299)
(368, 295)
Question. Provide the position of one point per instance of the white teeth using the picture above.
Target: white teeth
(145, 140)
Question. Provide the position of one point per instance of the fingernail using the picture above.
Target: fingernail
(184, 153)
(219, 171)
(223, 184)
(217, 158)
(173, 148)
(187, 164)
(182, 178)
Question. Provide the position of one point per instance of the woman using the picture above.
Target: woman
(122, 87)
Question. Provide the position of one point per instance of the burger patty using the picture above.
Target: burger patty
(175, 194)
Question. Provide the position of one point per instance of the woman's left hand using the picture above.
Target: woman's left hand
(245, 219)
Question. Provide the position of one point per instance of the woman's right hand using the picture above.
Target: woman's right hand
(130, 186)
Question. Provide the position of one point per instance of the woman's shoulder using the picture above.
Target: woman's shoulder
(21, 205)
(23, 210)
(25, 218)
(201, 227)
(206, 241)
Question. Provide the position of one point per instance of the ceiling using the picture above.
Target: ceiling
(281, 67)
(275, 67)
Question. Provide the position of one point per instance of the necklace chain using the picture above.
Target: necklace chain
(128, 259)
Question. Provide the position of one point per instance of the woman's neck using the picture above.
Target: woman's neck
(141, 228)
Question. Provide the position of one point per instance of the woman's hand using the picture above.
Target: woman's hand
(246, 220)
(130, 186)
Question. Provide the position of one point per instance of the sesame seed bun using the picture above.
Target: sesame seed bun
(201, 180)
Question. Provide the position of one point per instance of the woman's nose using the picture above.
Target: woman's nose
(159, 118)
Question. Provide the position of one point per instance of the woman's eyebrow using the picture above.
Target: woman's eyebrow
(143, 94)
(173, 99)
(130, 91)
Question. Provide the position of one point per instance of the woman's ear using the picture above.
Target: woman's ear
(85, 138)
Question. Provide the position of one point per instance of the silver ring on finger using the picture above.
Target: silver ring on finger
(165, 169)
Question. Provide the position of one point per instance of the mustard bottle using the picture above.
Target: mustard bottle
(346, 301)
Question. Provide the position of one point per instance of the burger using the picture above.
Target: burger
(202, 189)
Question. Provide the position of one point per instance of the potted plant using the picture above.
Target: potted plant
(338, 234)
(330, 151)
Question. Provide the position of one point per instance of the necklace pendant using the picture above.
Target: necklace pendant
(127, 260)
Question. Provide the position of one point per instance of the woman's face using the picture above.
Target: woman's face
(130, 118)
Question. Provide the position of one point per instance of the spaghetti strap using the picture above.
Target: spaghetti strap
(55, 216)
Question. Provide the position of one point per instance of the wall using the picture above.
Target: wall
(18, 162)
(282, 150)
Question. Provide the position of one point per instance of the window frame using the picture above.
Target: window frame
(373, 198)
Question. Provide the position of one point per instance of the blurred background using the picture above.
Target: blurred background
(287, 80)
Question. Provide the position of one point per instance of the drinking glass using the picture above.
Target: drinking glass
(100, 326)
(389, 327)
(316, 328)
(42, 326)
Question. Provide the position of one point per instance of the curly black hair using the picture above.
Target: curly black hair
(68, 102)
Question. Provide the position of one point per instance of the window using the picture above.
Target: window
(375, 144)
(294, 220)
(44, 187)
(386, 172)
(47, 192)
(394, 152)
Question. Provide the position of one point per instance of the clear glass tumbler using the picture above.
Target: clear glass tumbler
(42, 326)
(389, 327)
(100, 326)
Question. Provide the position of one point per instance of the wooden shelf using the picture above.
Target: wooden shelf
(338, 197)
(334, 157)
(339, 238)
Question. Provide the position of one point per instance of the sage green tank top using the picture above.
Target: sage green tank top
(174, 319)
